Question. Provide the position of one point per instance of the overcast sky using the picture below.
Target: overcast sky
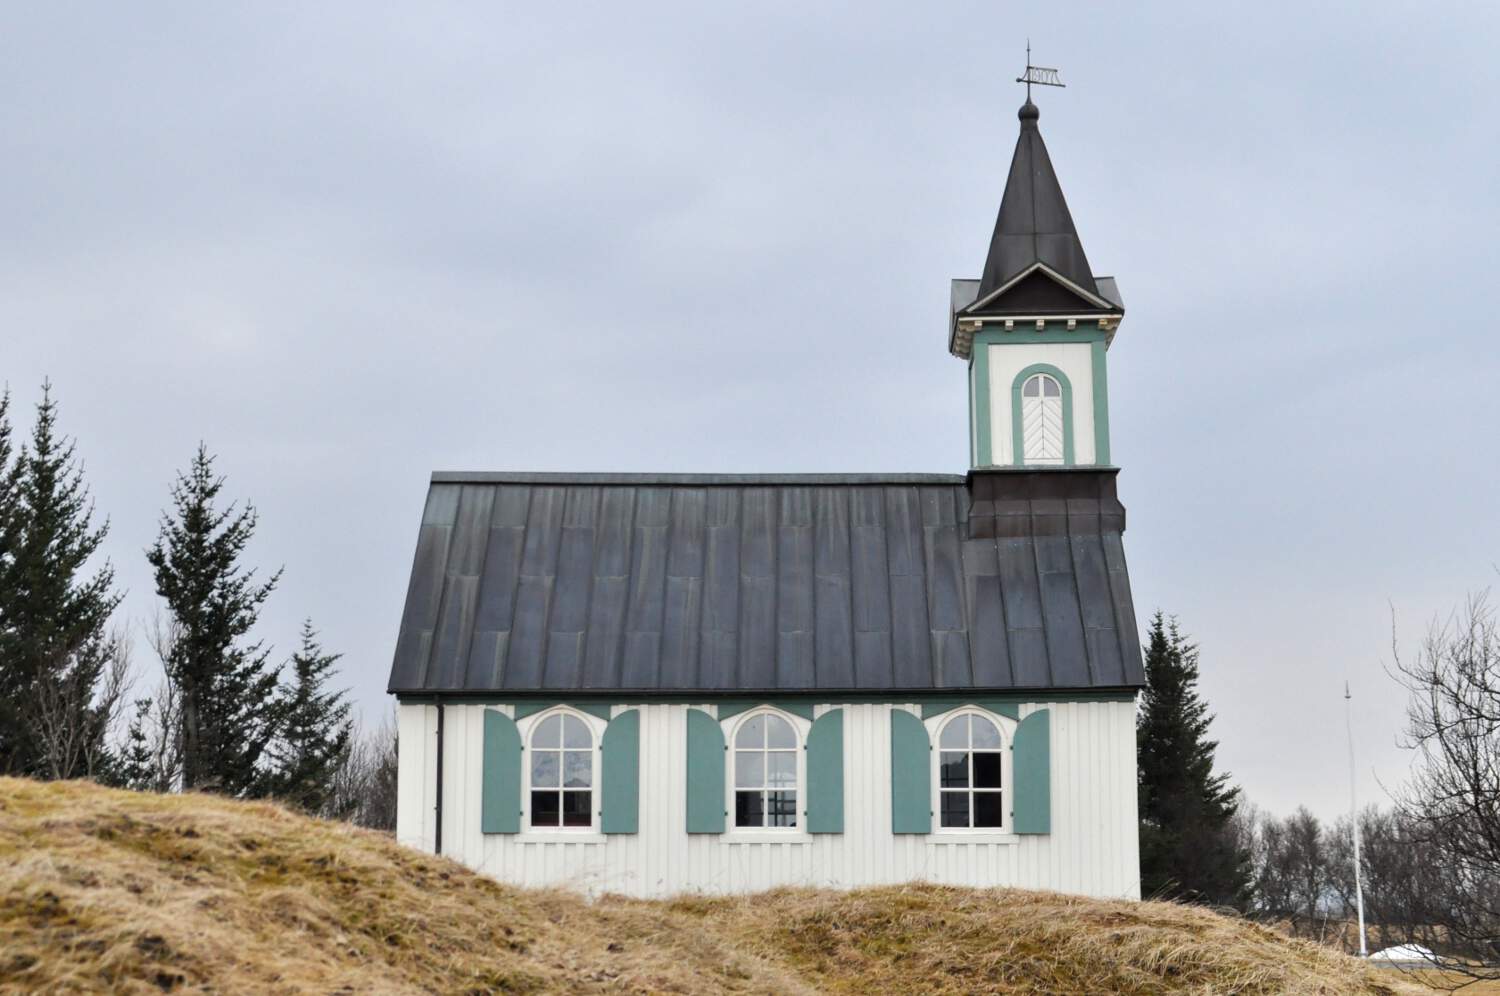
(349, 244)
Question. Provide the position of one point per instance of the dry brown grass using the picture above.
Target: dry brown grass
(111, 891)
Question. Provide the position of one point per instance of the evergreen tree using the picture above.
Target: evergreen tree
(53, 647)
(1188, 848)
(12, 687)
(315, 732)
(228, 707)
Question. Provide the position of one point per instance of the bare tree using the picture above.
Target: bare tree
(74, 710)
(365, 786)
(1452, 803)
(151, 756)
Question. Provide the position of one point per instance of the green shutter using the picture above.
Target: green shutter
(825, 774)
(1033, 774)
(911, 775)
(705, 773)
(500, 795)
(620, 788)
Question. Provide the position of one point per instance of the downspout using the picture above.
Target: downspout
(437, 834)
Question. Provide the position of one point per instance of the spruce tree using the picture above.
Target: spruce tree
(1187, 848)
(315, 731)
(53, 645)
(11, 684)
(227, 688)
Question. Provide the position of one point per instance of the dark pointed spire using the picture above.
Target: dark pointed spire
(1034, 224)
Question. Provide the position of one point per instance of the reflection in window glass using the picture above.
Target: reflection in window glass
(562, 772)
(969, 764)
(765, 772)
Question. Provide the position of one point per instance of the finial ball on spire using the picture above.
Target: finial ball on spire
(1029, 111)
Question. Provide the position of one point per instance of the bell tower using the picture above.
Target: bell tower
(1035, 327)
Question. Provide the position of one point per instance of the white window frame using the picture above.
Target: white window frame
(1003, 834)
(596, 726)
(753, 835)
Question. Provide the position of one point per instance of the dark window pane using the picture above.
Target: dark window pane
(955, 809)
(747, 810)
(782, 809)
(987, 809)
(576, 809)
(986, 771)
(544, 809)
(954, 772)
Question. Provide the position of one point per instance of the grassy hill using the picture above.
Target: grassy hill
(102, 890)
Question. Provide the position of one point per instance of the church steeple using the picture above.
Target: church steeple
(1035, 326)
(1034, 225)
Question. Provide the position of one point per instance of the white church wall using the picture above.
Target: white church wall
(1074, 359)
(1092, 848)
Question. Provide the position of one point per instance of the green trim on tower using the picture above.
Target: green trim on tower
(1101, 404)
(911, 774)
(500, 776)
(825, 774)
(1017, 435)
(705, 773)
(620, 780)
(1025, 332)
(980, 414)
(1032, 768)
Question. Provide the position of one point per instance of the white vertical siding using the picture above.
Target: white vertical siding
(1092, 849)
(1074, 359)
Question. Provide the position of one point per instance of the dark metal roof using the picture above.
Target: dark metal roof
(1034, 225)
(538, 583)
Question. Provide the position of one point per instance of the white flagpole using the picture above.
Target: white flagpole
(1359, 892)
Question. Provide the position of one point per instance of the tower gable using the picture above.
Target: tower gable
(1040, 291)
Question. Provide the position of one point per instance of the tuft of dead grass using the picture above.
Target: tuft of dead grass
(110, 891)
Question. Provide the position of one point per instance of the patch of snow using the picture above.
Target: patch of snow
(1404, 954)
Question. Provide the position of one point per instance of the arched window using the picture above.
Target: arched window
(765, 772)
(1042, 419)
(971, 756)
(562, 772)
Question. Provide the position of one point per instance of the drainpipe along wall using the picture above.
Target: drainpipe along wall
(437, 835)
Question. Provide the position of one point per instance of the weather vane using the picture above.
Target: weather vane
(1040, 75)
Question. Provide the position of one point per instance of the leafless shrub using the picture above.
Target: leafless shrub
(364, 785)
(73, 713)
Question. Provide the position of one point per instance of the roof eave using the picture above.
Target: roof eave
(819, 694)
(960, 345)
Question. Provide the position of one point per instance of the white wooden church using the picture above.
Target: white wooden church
(651, 684)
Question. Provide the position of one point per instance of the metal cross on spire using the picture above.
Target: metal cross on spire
(1040, 75)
